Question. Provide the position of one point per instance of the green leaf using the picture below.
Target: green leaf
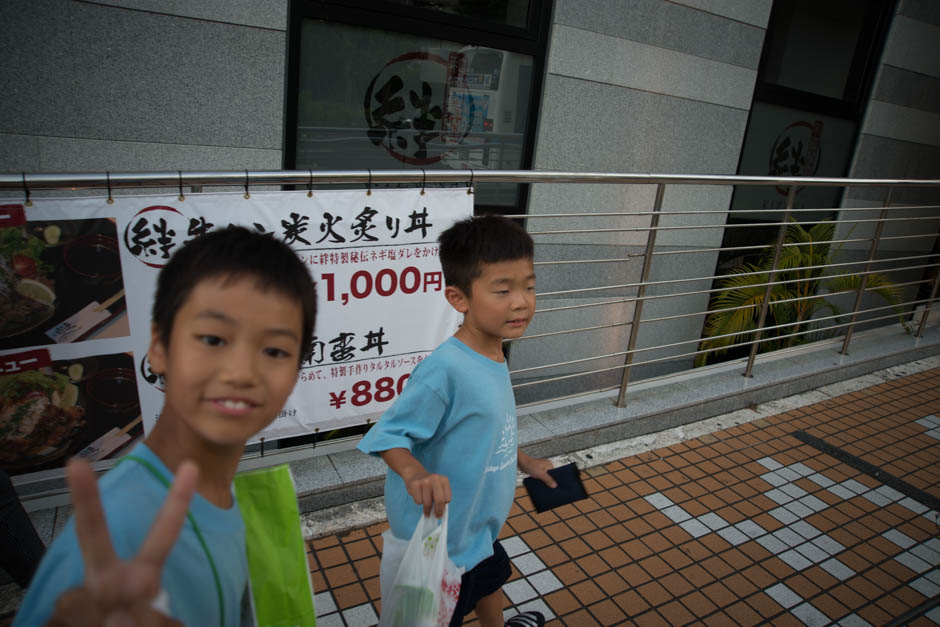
(736, 309)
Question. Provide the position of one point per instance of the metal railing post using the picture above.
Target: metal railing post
(765, 306)
(641, 294)
(927, 307)
(876, 238)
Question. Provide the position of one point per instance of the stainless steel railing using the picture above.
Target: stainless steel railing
(862, 269)
(920, 247)
(117, 180)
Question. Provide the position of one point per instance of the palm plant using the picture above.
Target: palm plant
(795, 300)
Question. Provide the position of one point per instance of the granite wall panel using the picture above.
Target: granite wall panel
(754, 12)
(58, 154)
(76, 71)
(908, 89)
(913, 45)
(587, 55)
(702, 33)
(922, 10)
(588, 126)
(259, 13)
(902, 123)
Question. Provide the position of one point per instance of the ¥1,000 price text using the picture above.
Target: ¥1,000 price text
(364, 392)
(385, 282)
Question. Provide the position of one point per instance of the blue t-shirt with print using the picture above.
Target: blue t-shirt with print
(131, 497)
(457, 416)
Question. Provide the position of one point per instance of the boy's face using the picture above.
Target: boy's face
(231, 361)
(501, 302)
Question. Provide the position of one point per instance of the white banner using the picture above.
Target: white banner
(69, 268)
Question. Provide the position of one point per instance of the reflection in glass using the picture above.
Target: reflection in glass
(814, 47)
(381, 100)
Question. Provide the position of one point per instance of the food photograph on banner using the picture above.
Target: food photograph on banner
(55, 409)
(60, 280)
(67, 380)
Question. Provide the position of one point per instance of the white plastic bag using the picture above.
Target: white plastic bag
(426, 586)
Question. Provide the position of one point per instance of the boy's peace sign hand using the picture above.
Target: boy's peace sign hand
(118, 592)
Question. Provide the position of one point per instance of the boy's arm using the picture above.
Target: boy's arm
(425, 488)
(536, 467)
(114, 589)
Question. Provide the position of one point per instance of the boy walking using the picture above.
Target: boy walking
(233, 318)
(451, 435)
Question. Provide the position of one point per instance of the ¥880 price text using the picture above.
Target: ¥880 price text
(385, 282)
(364, 392)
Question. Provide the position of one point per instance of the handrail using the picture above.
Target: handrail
(716, 277)
(716, 290)
(100, 180)
(609, 214)
(531, 336)
(696, 227)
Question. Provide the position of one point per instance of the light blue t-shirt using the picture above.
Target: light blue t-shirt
(131, 497)
(457, 416)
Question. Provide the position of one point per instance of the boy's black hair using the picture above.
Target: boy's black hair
(234, 252)
(470, 243)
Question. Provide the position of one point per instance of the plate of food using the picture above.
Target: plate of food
(40, 414)
(27, 295)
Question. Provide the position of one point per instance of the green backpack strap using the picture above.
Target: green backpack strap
(159, 476)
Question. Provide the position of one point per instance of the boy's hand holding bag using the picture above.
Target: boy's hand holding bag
(427, 584)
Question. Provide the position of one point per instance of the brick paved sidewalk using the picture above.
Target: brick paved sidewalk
(827, 514)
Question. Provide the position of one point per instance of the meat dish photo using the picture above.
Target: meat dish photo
(39, 416)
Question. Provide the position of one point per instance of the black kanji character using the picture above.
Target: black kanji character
(383, 127)
(787, 159)
(139, 241)
(326, 227)
(148, 374)
(342, 351)
(294, 228)
(392, 223)
(165, 239)
(423, 123)
(419, 221)
(198, 227)
(363, 225)
(375, 339)
(316, 354)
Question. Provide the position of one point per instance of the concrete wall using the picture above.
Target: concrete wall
(900, 138)
(142, 84)
(900, 135)
(659, 87)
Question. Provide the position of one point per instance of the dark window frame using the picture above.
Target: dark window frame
(856, 96)
(395, 17)
(861, 77)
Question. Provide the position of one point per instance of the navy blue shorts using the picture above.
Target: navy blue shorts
(481, 581)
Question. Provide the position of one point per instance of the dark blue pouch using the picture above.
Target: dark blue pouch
(569, 490)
